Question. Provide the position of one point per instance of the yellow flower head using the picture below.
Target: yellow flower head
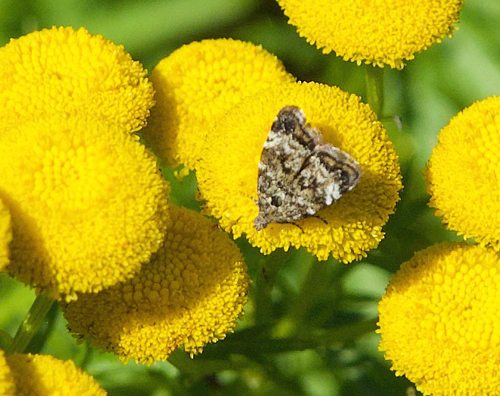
(378, 32)
(88, 204)
(5, 235)
(191, 292)
(61, 70)
(440, 320)
(196, 85)
(44, 375)
(7, 383)
(464, 171)
(348, 228)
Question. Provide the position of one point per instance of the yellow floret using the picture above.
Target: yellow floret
(440, 320)
(347, 229)
(44, 375)
(379, 32)
(464, 171)
(7, 383)
(87, 203)
(67, 71)
(5, 235)
(196, 85)
(190, 293)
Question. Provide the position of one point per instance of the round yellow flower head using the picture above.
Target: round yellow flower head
(61, 70)
(7, 383)
(88, 204)
(196, 85)
(349, 227)
(375, 32)
(440, 320)
(464, 170)
(44, 375)
(5, 235)
(191, 292)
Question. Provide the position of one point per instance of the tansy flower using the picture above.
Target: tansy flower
(464, 171)
(440, 320)
(348, 228)
(376, 32)
(88, 204)
(191, 293)
(7, 384)
(196, 85)
(61, 70)
(44, 375)
(5, 235)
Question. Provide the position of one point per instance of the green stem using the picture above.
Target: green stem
(30, 324)
(199, 367)
(316, 282)
(374, 80)
(248, 346)
(266, 278)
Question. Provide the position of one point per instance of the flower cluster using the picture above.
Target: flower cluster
(467, 194)
(84, 195)
(44, 375)
(440, 316)
(186, 294)
(89, 200)
(81, 195)
(202, 121)
(440, 320)
(228, 172)
(67, 71)
(379, 33)
(196, 85)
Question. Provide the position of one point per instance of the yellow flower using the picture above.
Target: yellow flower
(196, 85)
(191, 292)
(378, 32)
(88, 204)
(348, 228)
(5, 235)
(7, 384)
(464, 171)
(44, 375)
(61, 70)
(440, 320)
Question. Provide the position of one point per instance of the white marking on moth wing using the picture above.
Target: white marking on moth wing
(332, 193)
(280, 194)
(287, 149)
(301, 201)
(299, 113)
(320, 177)
(310, 211)
(352, 186)
(306, 173)
(269, 143)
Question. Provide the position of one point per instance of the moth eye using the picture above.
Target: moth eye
(276, 200)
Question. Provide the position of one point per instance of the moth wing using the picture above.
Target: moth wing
(289, 142)
(299, 174)
(326, 175)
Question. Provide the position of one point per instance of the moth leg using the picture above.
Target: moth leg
(320, 218)
(296, 225)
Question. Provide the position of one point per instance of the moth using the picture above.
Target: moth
(300, 174)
